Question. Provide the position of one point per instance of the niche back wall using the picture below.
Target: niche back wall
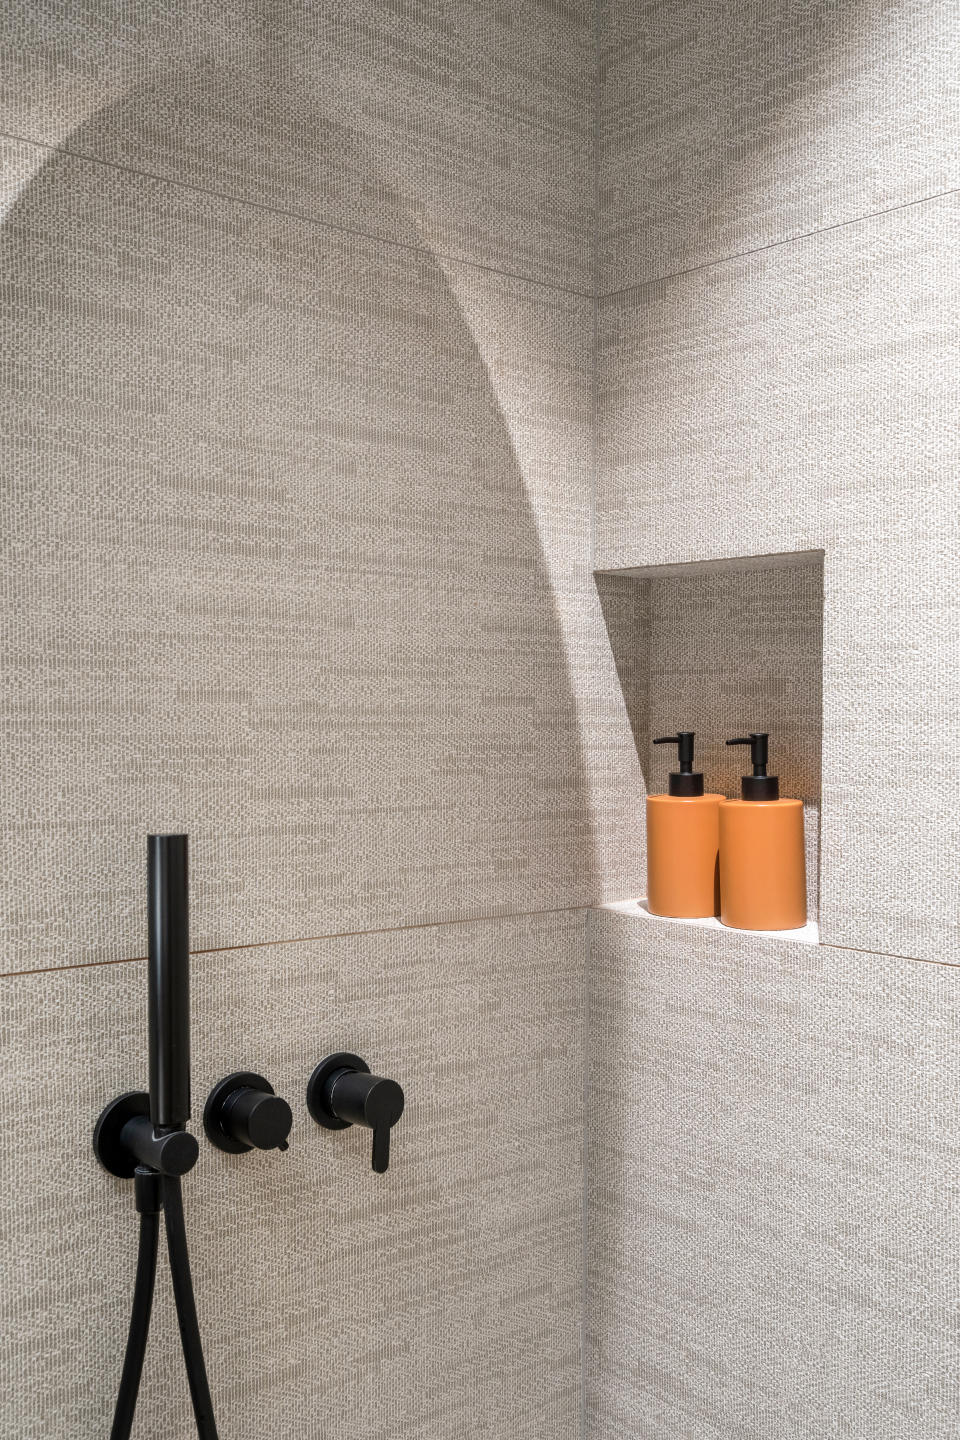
(723, 649)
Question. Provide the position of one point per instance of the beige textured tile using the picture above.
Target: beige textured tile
(801, 399)
(621, 729)
(466, 128)
(440, 1299)
(773, 1202)
(726, 127)
(285, 558)
(548, 411)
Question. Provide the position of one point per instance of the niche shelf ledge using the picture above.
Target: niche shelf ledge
(809, 934)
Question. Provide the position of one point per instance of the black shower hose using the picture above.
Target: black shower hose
(153, 1193)
(186, 1308)
(148, 1203)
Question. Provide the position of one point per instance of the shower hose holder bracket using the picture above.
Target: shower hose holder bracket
(109, 1148)
(124, 1138)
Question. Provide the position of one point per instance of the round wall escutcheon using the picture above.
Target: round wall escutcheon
(317, 1085)
(113, 1155)
(220, 1120)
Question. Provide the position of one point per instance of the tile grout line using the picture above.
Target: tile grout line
(311, 220)
(608, 908)
(586, 1096)
(480, 919)
(887, 954)
(590, 925)
(311, 939)
(597, 230)
(775, 244)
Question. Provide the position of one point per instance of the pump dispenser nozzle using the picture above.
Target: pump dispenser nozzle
(683, 782)
(759, 785)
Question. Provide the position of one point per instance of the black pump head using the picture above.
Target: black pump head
(759, 785)
(683, 782)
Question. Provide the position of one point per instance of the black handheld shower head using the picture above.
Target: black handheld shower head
(169, 981)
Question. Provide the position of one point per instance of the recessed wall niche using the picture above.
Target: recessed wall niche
(724, 647)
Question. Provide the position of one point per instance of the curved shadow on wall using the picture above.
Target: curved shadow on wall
(278, 579)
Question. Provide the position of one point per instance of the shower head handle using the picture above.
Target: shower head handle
(169, 980)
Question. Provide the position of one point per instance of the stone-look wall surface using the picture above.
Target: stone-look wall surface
(442, 1298)
(465, 128)
(296, 368)
(297, 361)
(773, 1196)
(771, 1137)
(728, 127)
(804, 399)
(273, 573)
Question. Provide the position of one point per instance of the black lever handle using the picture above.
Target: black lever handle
(341, 1092)
(364, 1099)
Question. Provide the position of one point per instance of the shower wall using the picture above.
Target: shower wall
(306, 392)
(298, 437)
(772, 1196)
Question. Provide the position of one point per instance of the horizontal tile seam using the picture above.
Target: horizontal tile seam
(608, 909)
(482, 919)
(887, 954)
(775, 244)
(312, 220)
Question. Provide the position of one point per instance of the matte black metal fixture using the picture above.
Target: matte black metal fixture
(243, 1112)
(143, 1135)
(686, 782)
(759, 785)
(342, 1092)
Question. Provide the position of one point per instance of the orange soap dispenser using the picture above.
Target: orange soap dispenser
(763, 884)
(682, 841)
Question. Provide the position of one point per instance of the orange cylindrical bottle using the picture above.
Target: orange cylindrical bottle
(682, 841)
(763, 883)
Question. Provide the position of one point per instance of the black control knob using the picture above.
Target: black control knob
(243, 1113)
(341, 1092)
